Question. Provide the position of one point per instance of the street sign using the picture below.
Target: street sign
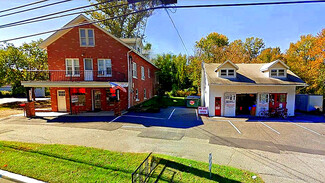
(210, 163)
(202, 110)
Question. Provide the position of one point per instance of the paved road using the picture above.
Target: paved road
(9, 100)
(278, 151)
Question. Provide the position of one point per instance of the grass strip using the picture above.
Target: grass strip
(66, 163)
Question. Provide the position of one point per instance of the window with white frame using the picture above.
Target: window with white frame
(144, 93)
(136, 95)
(148, 73)
(142, 73)
(227, 72)
(278, 73)
(87, 37)
(134, 70)
(104, 67)
(72, 67)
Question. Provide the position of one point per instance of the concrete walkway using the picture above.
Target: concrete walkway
(193, 143)
(10, 100)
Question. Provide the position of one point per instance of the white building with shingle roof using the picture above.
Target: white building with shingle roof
(230, 89)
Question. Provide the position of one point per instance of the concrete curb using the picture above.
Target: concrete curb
(17, 177)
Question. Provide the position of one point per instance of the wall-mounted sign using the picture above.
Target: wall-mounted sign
(202, 110)
(74, 98)
(192, 102)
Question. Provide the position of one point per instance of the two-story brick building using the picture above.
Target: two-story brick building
(83, 62)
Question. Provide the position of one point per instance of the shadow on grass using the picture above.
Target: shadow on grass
(170, 170)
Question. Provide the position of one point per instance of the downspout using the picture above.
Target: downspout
(129, 78)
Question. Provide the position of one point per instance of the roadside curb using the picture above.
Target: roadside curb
(17, 177)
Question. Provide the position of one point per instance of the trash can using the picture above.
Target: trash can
(193, 101)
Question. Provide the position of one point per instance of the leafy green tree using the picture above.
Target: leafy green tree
(123, 26)
(173, 73)
(16, 61)
(253, 46)
(212, 47)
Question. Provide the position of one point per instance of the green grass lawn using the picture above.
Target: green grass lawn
(65, 163)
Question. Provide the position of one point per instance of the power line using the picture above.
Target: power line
(32, 20)
(9, 9)
(50, 14)
(34, 8)
(92, 22)
(180, 7)
(179, 35)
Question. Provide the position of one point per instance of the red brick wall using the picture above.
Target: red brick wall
(106, 47)
(88, 107)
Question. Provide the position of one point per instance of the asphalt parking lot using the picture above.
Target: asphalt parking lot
(291, 150)
(295, 134)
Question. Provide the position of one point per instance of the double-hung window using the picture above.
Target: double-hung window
(136, 95)
(134, 70)
(87, 37)
(148, 73)
(144, 94)
(104, 67)
(72, 67)
(142, 73)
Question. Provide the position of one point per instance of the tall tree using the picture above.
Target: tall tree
(212, 47)
(123, 26)
(269, 55)
(253, 46)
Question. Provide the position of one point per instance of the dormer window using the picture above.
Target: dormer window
(227, 73)
(87, 37)
(278, 73)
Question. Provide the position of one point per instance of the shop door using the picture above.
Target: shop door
(97, 100)
(62, 105)
(218, 106)
(88, 69)
(278, 100)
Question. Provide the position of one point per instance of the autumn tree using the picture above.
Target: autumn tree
(212, 47)
(121, 26)
(269, 55)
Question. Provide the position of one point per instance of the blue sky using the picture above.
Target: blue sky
(277, 25)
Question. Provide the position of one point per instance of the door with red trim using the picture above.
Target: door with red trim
(278, 100)
(217, 106)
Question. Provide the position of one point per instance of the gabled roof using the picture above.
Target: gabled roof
(250, 74)
(79, 20)
(267, 66)
(228, 61)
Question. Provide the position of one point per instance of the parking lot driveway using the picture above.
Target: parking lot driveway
(174, 117)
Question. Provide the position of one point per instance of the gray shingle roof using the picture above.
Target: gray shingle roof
(250, 74)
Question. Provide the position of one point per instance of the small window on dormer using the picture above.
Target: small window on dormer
(281, 73)
(278, 73)
(227, 72)
(274, 73)
(223, 72)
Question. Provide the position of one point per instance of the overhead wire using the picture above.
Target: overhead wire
(177, 7)
(54, 17)
(22, 6)
(51, 14)
(179, 35)
(34, 8)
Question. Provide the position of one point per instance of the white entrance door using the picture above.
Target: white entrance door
(88, 64)
(62, 105)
